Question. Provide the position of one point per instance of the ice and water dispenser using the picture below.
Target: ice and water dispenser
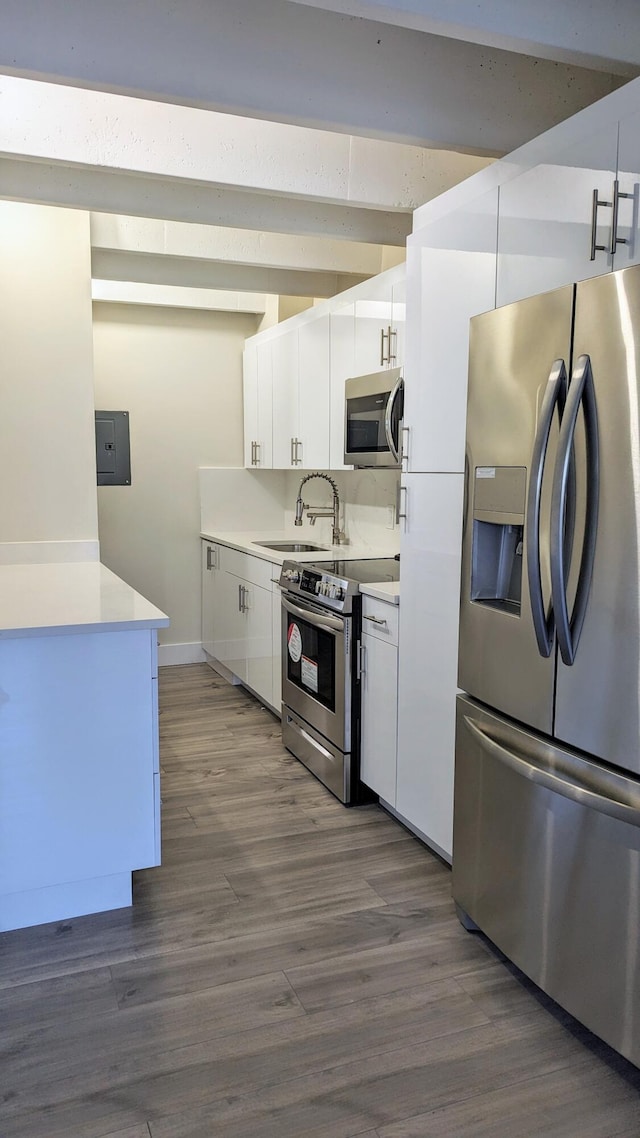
(499, 495)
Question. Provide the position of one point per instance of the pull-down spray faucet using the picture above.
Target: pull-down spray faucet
(314, 512)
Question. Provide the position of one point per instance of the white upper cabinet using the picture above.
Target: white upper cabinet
(555, 219)
(294, 374)
(627, 233)
(286, 441)
(342, 366)
(257, 387)
(314, 393)
(451, 274)
(376, 337)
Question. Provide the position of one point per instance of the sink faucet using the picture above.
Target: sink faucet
(314, 512)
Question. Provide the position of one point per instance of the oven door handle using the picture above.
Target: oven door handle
(321, 620)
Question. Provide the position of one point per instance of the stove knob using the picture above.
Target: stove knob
(318, 587)
(339, 593)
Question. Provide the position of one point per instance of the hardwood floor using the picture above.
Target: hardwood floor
(293, 969)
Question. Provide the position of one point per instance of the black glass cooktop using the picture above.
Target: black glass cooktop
(366, 572)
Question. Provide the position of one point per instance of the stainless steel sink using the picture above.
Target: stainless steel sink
(291, 546)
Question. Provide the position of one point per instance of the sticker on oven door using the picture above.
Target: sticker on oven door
(309, 674)
(294, 642)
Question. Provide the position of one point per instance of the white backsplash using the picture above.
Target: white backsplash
(368, 501)
(235, 499)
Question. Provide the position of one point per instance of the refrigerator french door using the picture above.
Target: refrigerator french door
(546, 853)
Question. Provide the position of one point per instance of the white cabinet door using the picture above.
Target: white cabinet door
(250, 403)
(342, 366)
(313, 393)
(628, 221)
(451, 273)
(210, 579)
(546, 231)
(373, 326)
(378, 743)
(259, 640)
(427, 674)
(229, 641)
(276, 634)
(398, 321)
(286, 412)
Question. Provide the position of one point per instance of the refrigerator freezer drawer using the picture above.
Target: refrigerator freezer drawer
(546, 861)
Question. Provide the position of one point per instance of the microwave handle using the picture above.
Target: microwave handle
(387, 420)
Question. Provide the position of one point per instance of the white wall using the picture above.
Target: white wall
(179, 375)
(47, 440)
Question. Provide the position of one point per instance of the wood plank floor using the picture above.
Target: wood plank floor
(293, 968)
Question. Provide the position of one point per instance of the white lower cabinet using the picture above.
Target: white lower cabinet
(427, 675)
(237, 617)
(379, 712)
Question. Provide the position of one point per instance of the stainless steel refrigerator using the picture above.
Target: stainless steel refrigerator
(546, 853)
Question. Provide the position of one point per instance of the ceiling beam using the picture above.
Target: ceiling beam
(123, 192)
(238, 246)
(298, 64)
(195, 273)
(603, 36)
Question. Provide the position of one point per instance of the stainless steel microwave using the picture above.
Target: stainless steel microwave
(374, 406)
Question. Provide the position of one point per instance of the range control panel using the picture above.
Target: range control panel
(329, 590)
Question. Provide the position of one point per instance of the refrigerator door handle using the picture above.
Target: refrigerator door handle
(601, 791)
(581, 392)
(554, 396)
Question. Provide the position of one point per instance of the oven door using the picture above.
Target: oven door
(316, 668)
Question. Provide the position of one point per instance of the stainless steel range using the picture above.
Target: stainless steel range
(321, 627)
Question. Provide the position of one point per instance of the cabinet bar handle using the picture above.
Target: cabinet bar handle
(375, 619)
(298, 459)
(404, 513)
(404, 452)
(596, 201)
(383, 359)
(239, 598)
(615, 240)
(292, 453)
(258, 445)
(393, 336)
(211, 564)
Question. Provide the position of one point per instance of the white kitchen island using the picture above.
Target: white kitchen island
(79, 769)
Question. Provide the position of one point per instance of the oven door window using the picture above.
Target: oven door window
(311, 660)
(365, 424)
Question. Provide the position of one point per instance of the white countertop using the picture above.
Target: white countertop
(62, 598)
(246, 543)
(383, 591)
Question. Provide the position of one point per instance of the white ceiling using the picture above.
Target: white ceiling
(160, 109)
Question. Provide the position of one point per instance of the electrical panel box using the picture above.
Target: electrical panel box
(112, 448)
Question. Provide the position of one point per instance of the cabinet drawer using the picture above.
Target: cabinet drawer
(380, 619)
(252, 569)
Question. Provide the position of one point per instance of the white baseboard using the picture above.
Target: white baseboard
(171, 654)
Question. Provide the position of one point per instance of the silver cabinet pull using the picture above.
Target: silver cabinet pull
(239, 598)
(404, 450)
(292, 452)
(386, 334)
(245, 599)
(298, 459)
(375, 619)
(212, 557)
(596, 201)
(258, 446)
(615, 240)
(404, 513)
(361, 666)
